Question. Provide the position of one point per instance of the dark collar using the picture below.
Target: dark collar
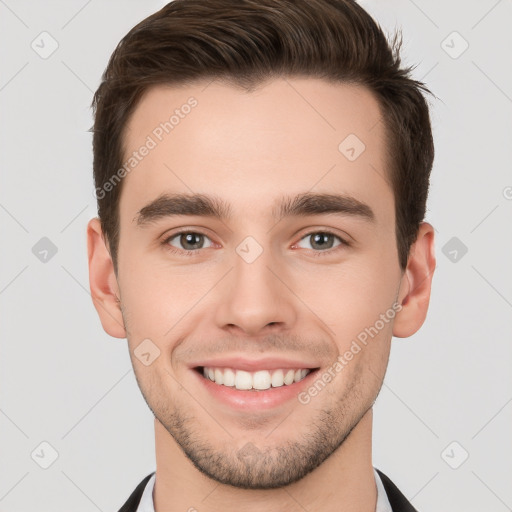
(396, 499)
(133, 501)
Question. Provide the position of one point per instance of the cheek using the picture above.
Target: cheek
(162, 303)
(153, 291)
(351, 296)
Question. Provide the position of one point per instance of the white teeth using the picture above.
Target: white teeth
(277, 378)
(243, 380)
(229, 377)
(260, 380)
(288, 378)
(219, 376)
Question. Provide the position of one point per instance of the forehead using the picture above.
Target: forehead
(288, 136)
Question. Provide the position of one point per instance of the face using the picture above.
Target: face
(267, 277)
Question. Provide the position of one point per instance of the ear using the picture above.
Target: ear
(414, 293)
(103, 281)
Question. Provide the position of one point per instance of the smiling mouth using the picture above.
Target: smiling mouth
(254, 381)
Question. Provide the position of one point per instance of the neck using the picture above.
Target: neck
(343, 483)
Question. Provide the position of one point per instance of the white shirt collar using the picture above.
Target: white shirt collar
(146, 502)
(383, 504)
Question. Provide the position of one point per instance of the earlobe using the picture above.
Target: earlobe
(103, 281)
(414, 293)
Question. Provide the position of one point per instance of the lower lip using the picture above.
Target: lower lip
(250, 400)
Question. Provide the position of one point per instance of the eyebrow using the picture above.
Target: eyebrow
(202, 205)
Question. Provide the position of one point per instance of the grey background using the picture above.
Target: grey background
(65, 382)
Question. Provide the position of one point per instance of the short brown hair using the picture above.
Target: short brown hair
(247, 42)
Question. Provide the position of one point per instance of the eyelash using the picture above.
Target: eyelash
(194, 252)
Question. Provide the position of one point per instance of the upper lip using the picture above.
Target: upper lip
(251, 365)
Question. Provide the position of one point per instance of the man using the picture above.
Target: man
(262, 170)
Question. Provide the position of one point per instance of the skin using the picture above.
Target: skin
(250, 149)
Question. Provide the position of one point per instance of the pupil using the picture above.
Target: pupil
(189, 239)
(319, 237)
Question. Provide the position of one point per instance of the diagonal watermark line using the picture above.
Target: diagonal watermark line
(486, 14)
(423, 280)
(74, 218)
(82, 418)
(491, 285)
(410, 409)
(14, 218)
(429, 71)
(197, 302)
(3, 412)
(491, 80)
(375, 124)
(13, 13)
(13, 279)
(279, 424)
(383, 177)
(209, 83)
(177, 177)
(294, 499)
(508, 508)
(77, 76)
(14, 76)
(424, 13)
(210, 493)
(322, 177)
(76, 280)
(332, 332)
(76, 14)
(81, 491)
(5, 495)
(310, 105)
(503, 407)
(492, 211)
(200, 404)
(410, 499)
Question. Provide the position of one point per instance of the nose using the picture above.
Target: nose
(256, 298)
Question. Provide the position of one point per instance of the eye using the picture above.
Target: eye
(190, 242)
(322, 241)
